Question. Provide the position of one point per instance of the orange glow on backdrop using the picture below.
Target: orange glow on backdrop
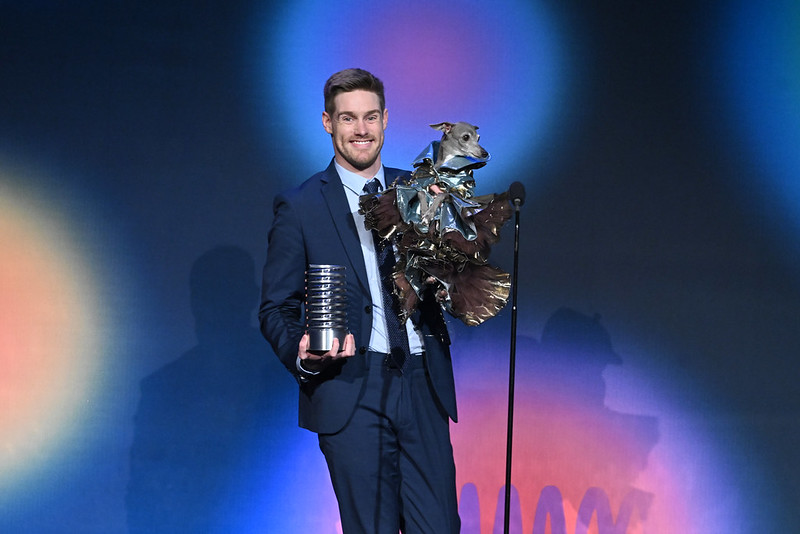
(579, 466)
(48, 331)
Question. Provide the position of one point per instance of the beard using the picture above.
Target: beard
(358, 159)
(360, 164)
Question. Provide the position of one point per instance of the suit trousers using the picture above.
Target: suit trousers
(392, 465)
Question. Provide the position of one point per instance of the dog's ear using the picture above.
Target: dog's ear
(443, 126)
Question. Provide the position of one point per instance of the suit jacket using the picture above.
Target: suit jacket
(312, 225)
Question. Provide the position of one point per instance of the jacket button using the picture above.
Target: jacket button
(362, 350)
(368, 309)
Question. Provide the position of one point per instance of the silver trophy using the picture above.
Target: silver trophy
(326, 306)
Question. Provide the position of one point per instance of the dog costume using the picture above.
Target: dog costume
(444, 235)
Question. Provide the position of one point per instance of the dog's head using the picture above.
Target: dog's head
(459, 139)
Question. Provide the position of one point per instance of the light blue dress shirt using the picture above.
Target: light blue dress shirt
(378, 339)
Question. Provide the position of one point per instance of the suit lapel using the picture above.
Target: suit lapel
(333, 193)
(391, 174)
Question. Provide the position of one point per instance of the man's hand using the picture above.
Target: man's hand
(440, 292)
(316, 362)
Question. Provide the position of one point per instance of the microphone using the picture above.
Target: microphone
(517, 193)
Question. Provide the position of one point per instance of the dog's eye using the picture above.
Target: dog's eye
(465, 137)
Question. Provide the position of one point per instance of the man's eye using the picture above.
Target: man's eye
(372, 119)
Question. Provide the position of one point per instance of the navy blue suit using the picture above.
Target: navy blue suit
(313, 225)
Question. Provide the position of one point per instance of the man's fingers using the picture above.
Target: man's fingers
(334, 348)
(349, 348)
(304, 341)
(302, 347)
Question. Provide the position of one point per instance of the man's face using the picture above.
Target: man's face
(356, 127)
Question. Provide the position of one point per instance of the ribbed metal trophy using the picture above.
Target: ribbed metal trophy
(326, 306)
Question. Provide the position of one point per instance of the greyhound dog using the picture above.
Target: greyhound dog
(458, 139)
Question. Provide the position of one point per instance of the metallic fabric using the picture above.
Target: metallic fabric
(443, 234)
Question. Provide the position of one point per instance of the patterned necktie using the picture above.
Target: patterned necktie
(398, 339)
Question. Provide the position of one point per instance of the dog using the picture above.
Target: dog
(443, 233)
(435, 251)
(458, 139)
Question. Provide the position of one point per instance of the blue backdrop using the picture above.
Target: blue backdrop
(141, 144)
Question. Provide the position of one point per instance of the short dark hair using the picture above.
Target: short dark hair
(348, 80)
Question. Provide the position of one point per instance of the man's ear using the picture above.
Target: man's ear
(326, 122)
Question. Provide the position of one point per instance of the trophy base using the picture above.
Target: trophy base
(321, 339)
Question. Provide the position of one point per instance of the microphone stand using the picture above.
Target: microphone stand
(512, 366)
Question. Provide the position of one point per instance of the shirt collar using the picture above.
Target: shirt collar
(354, 182)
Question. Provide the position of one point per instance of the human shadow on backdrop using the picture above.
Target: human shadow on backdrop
(204, 427)
(574, 457)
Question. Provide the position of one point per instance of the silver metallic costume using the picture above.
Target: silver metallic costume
(443, 235)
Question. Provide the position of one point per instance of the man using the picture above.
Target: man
(381, 403)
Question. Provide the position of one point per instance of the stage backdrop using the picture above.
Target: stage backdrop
(141, 144)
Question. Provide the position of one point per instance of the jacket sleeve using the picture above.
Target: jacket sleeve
(283, 283)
